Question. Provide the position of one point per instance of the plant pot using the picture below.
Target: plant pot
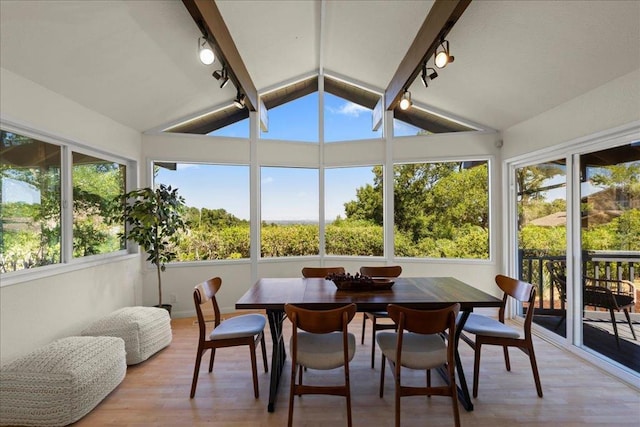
(165, 306)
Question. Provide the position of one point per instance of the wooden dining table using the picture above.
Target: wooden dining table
(271, 294)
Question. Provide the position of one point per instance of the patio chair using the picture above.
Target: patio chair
(374, 316)
(419, 344)
(494, 332)
(247, 329)
(609, 294)
(320, 340)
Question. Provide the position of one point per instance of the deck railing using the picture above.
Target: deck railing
(619, 265)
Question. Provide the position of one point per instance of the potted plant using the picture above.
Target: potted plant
(154, 218)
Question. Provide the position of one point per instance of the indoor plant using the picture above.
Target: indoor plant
(154, 219)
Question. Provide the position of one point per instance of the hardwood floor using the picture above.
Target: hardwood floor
(156, 392)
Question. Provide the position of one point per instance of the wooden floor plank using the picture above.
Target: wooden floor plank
(156, 392)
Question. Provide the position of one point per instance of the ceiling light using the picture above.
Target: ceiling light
(223, 75)
(427, 76)
(239, 101)
(442, 56)
(405, 102)
(205, 52)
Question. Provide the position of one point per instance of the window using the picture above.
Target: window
(30, 211)
(97, 183)
(347, 121)
(441, 210)
(289, 203)
(294, 121)
(235, 130)
(217, 217)
(353, 211)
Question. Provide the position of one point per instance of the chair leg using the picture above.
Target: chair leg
(264, 354)
(626, 313)
(373, 342)
(382, 366)
(364, 322)
(507, 362)
(292, 390)
(429, 378)
(476, 368)
(196, 371)
(213, 355)
(534, 368)
(615, 326)
(254, 369)
(397, 398)
(348, 387)
(454, 398)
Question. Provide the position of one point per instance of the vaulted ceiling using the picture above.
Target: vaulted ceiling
(136, 62)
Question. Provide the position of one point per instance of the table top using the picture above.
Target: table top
(415, 292)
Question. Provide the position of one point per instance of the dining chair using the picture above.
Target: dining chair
(490, 331)
(320, 340)
(419, 344)
(321, 272)
(386, 272)
(247, 329)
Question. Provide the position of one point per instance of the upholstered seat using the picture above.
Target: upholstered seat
(323, 351)
(240, 326)
(418, 351)
(483, 325)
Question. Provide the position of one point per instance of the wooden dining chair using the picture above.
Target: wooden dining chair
(374, 316)
(247, 329)
(488, 330)
(320, 340)
(321, 272)
(419, 344)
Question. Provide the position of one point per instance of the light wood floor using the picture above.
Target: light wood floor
(156, 392)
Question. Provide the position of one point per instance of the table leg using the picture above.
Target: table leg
(463, 390)
(278, 354)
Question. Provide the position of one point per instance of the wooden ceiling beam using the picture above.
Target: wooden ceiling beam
(209, 20)
(440, 20)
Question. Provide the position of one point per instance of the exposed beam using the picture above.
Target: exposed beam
(207, 17)
(441, 18)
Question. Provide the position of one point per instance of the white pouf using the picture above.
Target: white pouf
(145, 330)
(61, 382)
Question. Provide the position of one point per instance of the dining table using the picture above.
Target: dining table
(271, 295)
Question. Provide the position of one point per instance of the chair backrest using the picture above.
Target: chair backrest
(321, 272)
(522, 292)
(558, 275)
(320, 321)
(424, 321)
(382, 271)
(203, 293)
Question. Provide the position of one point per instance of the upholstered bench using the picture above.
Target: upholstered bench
(145, 330)
(61, 382)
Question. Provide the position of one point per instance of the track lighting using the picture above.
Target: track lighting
(427, 76)
(223, 75)
(205, 53)
(239, 101)
(405, 102)
(442, 57)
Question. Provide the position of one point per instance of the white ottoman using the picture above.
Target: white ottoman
(145, 330)
(61, 382)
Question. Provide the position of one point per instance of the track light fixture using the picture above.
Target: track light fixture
(205, 53)
(428, 74)
(442, 57)
(405, 102)
(239, 101)
(223, 75)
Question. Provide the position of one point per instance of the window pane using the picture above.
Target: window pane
(289, 202)
(347, 121)
(30, 208)
(217, 199)
(441, 210)
(235, 130)
(97, 184)
(353, 211)
(294, 121)
(401, 128)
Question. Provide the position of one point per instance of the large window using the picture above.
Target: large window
(31, 214)
(294, 121)
(217, 217)
(353, 211)
(441, 210)
(347, 121)
(289, 205)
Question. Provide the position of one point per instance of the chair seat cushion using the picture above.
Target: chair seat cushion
(418, 351)
(478, 324)
(323, 351)
(246, 325)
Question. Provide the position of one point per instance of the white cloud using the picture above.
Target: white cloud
(267, 180)
(349, 109)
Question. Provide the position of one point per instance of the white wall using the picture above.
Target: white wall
(35, 312)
